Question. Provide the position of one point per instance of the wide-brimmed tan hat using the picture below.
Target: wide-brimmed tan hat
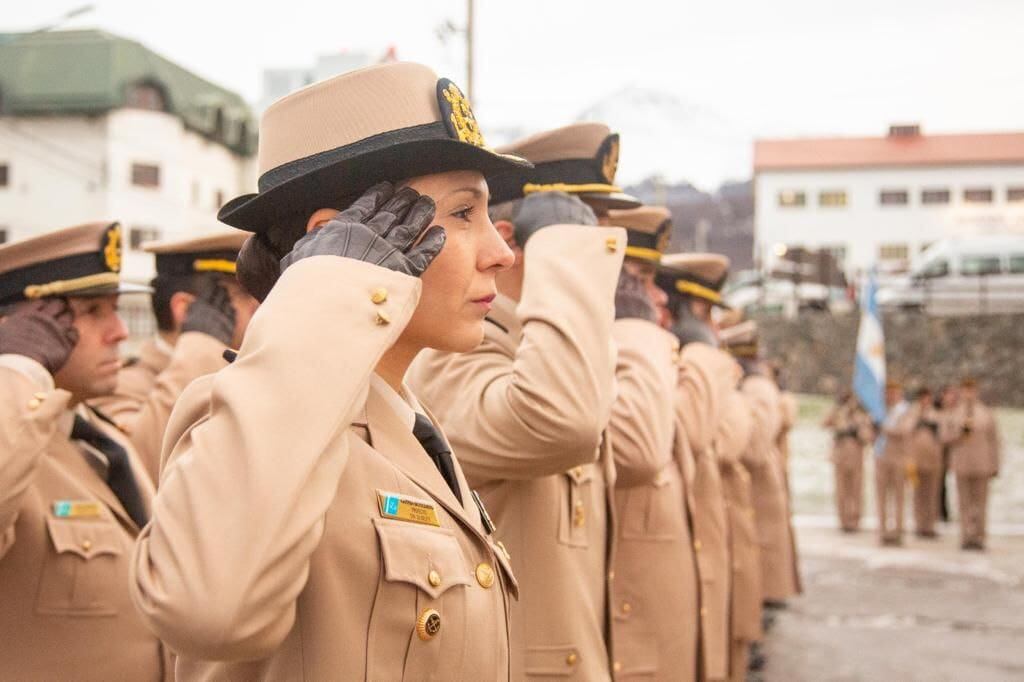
(579, 159)
(323, 145)
(695, 274)
(84, 260)
(216, 252)
(648, 230)
(742, 340)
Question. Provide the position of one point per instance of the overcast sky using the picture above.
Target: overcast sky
(764, 68)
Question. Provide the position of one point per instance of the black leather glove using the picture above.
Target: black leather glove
(379, 228)
(632, 300)
(42, 330)
(211, 313)
(543, 209)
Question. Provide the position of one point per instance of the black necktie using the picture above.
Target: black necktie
(120, 478)
(438, 450)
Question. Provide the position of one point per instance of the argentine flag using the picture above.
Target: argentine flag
(869, 368)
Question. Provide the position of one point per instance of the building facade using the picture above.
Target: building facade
(880, 201)
(93, 127)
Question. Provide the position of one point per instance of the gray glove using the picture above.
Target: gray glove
(379, 228)
(211, 313)
(543, 209)
(631, 299)
(42, 330)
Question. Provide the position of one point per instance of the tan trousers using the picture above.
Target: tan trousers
(972, 492)
(926, 501)
(849, 493)
(739, 660)
(889, 482)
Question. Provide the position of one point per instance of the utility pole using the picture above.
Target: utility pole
(469, 49)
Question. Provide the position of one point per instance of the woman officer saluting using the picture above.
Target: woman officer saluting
(311, 522)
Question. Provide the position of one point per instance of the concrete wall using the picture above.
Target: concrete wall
(817, 351)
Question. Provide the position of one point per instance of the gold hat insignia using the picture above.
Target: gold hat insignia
(112, 248)
(458, 114)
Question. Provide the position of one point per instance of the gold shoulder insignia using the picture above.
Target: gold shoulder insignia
(457, 114)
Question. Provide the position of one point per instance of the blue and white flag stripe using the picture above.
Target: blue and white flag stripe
(869, 367)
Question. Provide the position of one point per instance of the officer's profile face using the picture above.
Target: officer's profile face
(459, 285)
(91, 369)
(646, 271)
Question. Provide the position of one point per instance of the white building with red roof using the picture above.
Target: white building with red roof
(880, 200)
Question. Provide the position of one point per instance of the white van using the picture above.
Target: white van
(962, 276)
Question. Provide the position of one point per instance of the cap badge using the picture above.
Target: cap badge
(610, 158)
(112, 248)
(457, 114)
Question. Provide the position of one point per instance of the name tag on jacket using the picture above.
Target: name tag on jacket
(405, 508)
(76, 509)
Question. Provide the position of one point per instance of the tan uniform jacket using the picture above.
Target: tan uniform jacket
(976, 450)
(655, 592)
(924, 442)
(897, 429)
(526, 411)
(769, 493)
(851, 427)
(704, 377)
(65, 611)
(148, 389)
(732, 440)
(278, 548)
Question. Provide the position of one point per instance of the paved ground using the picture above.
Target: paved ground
(923, 612)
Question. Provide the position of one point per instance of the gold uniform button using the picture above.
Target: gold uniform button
(626, 607)
(484, 575)
(428, 624)
(39, 396)
(571, 659)
(86, 545)
(34, 403)
(577, 471)
(703, 611)
(579, 516)
(383, 318)
(379, 295)
(434, 578)
(611, 243)
(697, 545)
(617, 666)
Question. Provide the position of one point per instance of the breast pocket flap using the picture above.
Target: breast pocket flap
(429, 558)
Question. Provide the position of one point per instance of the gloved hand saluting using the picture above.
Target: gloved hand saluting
(42, 330)
(211, 313)
(379, 228)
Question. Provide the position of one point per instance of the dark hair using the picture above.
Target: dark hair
(922, 392)
(164, 287)
(259, 260)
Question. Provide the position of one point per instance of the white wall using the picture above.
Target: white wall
(864, 224)
(69, 170)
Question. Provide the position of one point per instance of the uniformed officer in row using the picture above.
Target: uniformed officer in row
(200, 311)
(771, 509)
(891, 458)
(712, 435)
(73, 493)
(925, 452)
(655, 612)
(312, 520)
(851, 431)
(528, 408)
(975, 450)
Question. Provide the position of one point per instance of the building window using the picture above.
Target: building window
(790, 198)
(5, 175)
(145, 96)
(978, 195)
(935, 196)
(937, 268)
(979, 265)
(837, 251)
(833, 198)
(893, 252)
(1015, 193)
(218, 199)
(3, 235)
(142, 235)
(893, 197)
(145, 175)
(1017, 263)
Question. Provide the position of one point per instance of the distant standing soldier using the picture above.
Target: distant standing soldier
(852, 430)
(890, 464)
(926, 454)
(975, 454)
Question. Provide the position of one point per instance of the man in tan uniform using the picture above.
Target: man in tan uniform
(528, 409)
(975, 450)
(851, 431)
(73, 494)
(774, 531)
(200, 311)
(925, 448)
(891, 464)
(706, 378)
(656, 594)
(716, 424)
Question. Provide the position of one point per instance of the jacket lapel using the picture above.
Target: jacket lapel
(395, 442)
